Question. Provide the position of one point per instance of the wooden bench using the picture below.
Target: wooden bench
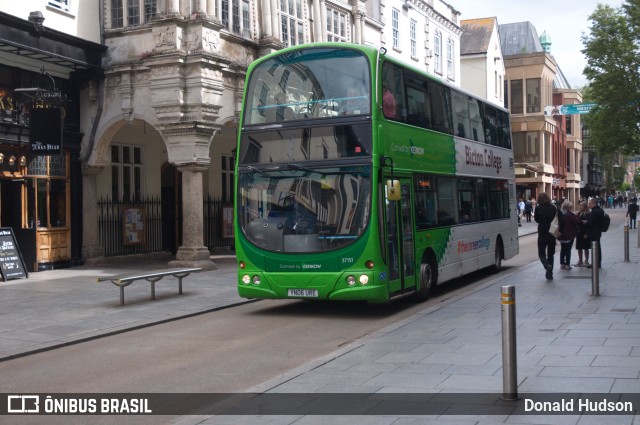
(150, 276)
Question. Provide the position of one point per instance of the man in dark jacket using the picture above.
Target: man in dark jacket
(593, 223)
(544, 214)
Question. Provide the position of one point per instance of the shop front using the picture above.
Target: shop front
(44, 80)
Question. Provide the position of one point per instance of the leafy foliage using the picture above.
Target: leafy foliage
(613, 69)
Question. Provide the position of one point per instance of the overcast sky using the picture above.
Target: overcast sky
(564, 20)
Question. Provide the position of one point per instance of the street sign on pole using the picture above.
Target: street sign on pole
(579, 108)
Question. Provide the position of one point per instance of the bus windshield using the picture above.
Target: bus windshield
(308, 83)
(298, 209)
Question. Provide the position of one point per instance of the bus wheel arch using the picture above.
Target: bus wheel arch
(428, 276)
(498, 255)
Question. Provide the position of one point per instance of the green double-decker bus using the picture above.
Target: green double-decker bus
(360, 178)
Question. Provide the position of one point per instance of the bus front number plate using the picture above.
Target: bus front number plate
(305, 293)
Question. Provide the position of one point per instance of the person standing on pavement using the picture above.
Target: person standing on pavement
(544, 213)
(632, 211)
(594, 222)
(568, 235)
(583, 244)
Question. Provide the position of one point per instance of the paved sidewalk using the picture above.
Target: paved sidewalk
(60, 307)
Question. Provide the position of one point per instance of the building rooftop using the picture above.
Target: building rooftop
(519, 38)
(476, 35)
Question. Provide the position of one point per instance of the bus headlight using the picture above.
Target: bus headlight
(351, 280)
(364, 279)
(256, 280)
(246, 279)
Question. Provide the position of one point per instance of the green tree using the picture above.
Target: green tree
(613, 71)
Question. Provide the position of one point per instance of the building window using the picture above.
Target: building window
(291, 21)
(49, 192)
(234, 15)
(437, 52)
(60, 4)
(395, 32)
(516, 97)
(227, 178)
(412, 38)
(533, 95)
(568, 124)
(337, 26)
(450, 70)
(126, 173)
(131, 13)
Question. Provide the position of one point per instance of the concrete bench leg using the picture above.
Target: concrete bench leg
(153, 281)
(121, 295)
(180, 276)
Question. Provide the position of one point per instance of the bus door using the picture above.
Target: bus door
(400, 240)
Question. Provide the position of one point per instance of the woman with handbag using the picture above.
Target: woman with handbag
(568, 234)
(583, 243)
(545, 213)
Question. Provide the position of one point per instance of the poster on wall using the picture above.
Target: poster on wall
(133, 229)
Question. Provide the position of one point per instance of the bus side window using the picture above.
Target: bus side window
(459, 107)
(393, 101)
(440, 107)
(425, 201)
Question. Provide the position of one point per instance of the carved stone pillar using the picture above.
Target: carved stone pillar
(211, 8)
(92, 250)
(173, 8)
(192, 253)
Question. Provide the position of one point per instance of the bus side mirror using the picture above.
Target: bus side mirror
(393, 190)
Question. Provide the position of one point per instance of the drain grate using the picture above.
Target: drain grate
(577, 277)
(623, 310)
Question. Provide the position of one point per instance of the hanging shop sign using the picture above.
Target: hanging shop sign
(45, 131)
(46, 116)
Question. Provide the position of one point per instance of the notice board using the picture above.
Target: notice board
(11, 262)
(133, 226)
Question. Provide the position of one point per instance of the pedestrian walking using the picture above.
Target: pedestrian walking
(583, 244)
(520, 210)
(568, 234)
(632, 211)
(544, 214)
(594, 222)
(528, 210)
(533, 205)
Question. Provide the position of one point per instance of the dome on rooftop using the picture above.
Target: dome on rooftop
(545, 41)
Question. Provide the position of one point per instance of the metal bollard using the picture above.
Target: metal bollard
(509, 355)
(595, 270)
(626, 243)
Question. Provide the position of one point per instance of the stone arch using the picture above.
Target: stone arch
(100, 155)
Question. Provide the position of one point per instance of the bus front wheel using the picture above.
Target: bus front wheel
(428, 278)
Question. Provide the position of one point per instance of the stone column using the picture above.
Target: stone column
(92, 250)
(211, 8)
(267, 29)
(192, 253)
(173, 8)
(275, 21)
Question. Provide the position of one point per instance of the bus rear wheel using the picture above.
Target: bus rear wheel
(428, 279)
(499, 255)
